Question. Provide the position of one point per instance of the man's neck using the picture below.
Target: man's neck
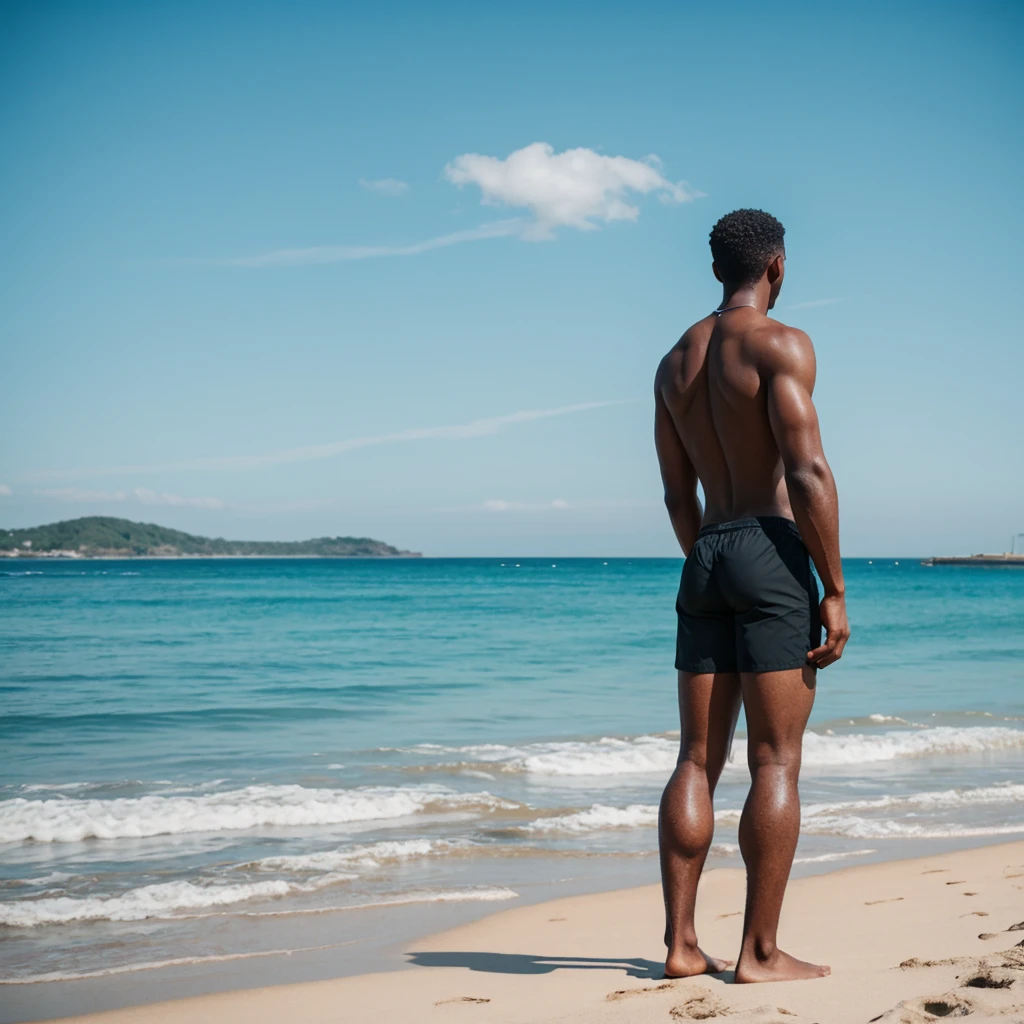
(756, 295)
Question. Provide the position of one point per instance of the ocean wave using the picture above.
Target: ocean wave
(835, 818)
(946, 799)
(826, 858)
(153, 965)
(373, 855)
(71, 820)
(61, 787)
(610, 756)
(54, 878)
(597, 818)
(606, 756)
(480, 894)
(184, 899)
(832, 818)
(161, 900)
(600, 817)
(855, 827)
(861, 748)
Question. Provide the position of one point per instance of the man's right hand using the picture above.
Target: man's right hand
(837, 631)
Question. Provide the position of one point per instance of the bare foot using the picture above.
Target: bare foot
(778, 967)
(689, 962)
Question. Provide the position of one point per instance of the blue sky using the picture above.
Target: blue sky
(273, 271)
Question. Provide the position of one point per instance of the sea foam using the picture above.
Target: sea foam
(836, 818)
(369, 856)
(154, 965)
(178, 899)
(160, 900)
(609, 756)
(862, 748)
(71, 820)
(598, 817)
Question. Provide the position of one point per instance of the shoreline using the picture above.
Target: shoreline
(209, 558)
(598, 957)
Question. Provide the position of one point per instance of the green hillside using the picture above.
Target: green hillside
(106, 537)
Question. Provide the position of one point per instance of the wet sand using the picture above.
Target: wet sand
(908, 941)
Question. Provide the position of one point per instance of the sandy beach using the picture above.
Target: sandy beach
(908, 941)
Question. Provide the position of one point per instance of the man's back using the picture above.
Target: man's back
(721, 384)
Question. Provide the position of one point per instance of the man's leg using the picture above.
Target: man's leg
(778, 705)
(708, 706)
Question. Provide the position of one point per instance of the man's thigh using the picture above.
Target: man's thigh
(709, 703)
(777, 705)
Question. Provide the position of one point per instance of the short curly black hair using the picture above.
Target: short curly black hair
(744, 242)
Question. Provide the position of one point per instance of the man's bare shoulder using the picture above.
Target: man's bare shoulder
(672, 364)
(779, 348)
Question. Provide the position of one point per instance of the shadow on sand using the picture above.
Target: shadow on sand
(523, 963)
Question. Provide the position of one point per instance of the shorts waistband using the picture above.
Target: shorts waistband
(751, 523)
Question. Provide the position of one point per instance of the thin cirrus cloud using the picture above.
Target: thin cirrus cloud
(343, 253)
(79, 495)
(500, 505)
(308, 453)
(577, 188)
(148, 497)
(385, 186)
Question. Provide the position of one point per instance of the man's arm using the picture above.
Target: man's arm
(811, 486)
(677, 474)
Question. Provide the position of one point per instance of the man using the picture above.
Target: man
(734, 413)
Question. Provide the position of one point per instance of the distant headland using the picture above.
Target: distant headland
(107, 537)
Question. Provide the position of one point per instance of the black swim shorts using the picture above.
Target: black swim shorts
(748, 600)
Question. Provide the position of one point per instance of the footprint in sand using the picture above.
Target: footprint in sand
(626, 993)
(707, 1007)
(702, 1006)
(918, 962)
(988, 989)
(462, 999)
(984, 995)
(927, 1008)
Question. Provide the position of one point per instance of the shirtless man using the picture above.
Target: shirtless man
(734, 413)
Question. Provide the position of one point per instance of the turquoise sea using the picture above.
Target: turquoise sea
(215, 763)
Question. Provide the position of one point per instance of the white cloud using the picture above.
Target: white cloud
(79, 495)
(5, 491)
(574, 188)
(385, 186)
(569, 189)
(148, 497)
(499, 505)
(142, 494)
(309, 453)
(813, 304)
(343, 253)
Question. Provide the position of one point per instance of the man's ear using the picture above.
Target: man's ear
(776, 268)
(714, 270)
